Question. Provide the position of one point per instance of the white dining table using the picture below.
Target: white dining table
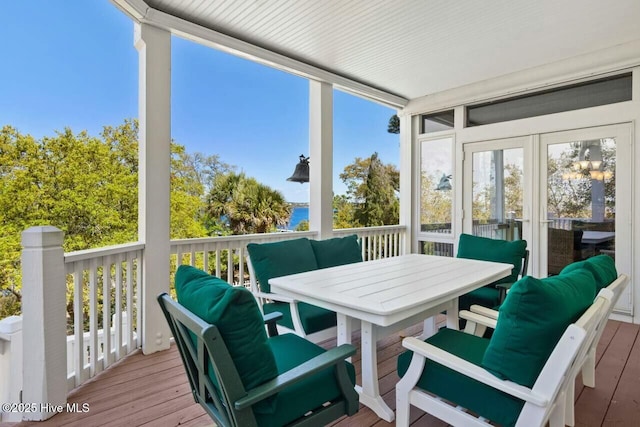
(386, 296)
(595, 237)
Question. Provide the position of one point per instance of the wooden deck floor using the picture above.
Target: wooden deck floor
(153, 390)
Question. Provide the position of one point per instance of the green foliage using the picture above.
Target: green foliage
(88, 187)
(372, 188)
(435, 213)
(302, 225)
(344, 211)
(245, 206)
(394, 124)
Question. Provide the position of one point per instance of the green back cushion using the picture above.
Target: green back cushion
(485, 249)
(532, 319)
(280, 259)
(338, 251)
(603, 268)
(236, 314)
(479, 398)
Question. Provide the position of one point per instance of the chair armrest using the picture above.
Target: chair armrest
(426, 350)
(470, 316)
(484, 311)
(292, 376)
(270, 320)
(274, 297)
(503, 288)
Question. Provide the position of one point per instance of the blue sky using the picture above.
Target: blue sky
(72, 63)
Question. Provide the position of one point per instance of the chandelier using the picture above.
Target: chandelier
(588, 169)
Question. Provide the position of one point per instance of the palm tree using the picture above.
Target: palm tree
(246, 205)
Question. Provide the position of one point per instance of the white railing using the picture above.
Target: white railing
(10, 365)
(378, 242)
(109, 276)
(224, 256)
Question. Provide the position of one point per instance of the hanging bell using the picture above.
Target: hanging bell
(301, 174)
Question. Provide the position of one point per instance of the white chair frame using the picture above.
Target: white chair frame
(264, 297)
(482, 317)
(545, 402)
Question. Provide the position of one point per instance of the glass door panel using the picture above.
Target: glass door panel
(585, 200)
(497, 194)
(581, 202)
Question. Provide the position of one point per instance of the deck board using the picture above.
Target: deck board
(153, 390)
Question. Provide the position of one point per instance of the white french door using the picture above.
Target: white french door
(497, 188)
(567, 193)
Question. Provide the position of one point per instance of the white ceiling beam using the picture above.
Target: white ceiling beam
(141, 12)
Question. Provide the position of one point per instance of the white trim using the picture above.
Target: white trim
(154, 151)
(321, 155)
(141, 12)
(612, 60)
(407, 173)
(457, 187)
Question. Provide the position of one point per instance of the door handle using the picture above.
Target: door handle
(546, 221)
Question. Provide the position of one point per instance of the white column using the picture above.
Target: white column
(407, 193)
(154, 97)
(10, 365)
(44, 321)
(321, 158)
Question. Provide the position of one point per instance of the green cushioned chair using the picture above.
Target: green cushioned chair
(495, 250)
(268, 260)
(240, 376)
(453, 375)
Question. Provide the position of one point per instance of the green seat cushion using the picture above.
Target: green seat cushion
(277, 259)
(532, 319)
(485, 401)
(337, 251)
(603, 268)
(293, 402)
(313, 318)
(485, 249)
(485, 296)
(236, 314)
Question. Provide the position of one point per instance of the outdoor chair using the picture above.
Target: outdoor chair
(522, 376)
(268, 260)
(495, 250)
(564, 247)
(240, 376)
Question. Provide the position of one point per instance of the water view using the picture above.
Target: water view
(298, 214)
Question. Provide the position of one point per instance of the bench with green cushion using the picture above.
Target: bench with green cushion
(244, 378)
(532, 319)
(269, 260)
(485, 249)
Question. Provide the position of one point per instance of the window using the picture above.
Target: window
(436, 190)
(590, 94)
(437, 122)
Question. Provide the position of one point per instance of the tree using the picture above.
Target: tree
(372, 188)
(88, 187)
(245, 205)
(435, 212)
(344, 211)
(394, 124)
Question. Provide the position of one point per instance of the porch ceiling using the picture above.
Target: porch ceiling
(414, 48)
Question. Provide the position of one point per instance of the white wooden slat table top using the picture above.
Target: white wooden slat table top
(595, 237)
(390, 286)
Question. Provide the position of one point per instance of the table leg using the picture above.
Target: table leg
(452, 315)
(370, 391)
(428, 328)
(344, 329)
